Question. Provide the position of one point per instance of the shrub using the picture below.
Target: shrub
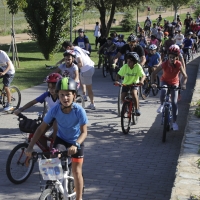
(128, 24)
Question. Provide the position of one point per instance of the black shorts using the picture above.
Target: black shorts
(7, 78)
(61, 145)
(127, 88)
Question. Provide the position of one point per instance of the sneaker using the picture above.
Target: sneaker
(160, 109)
(91, 106)
(85, 97)
(175, 126)
(8, 107)
(137, 112)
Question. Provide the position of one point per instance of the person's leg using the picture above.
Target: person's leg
(78, 178)
(162, 97)
(136, 100)
(174, 98)
(90, 93)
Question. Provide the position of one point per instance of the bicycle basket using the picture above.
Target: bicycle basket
(28, 125)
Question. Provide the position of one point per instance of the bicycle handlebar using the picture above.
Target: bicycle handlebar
(121, 84)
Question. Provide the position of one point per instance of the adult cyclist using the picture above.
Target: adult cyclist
(72, 129)
(131, 46)
(170, 77)
(147, 24)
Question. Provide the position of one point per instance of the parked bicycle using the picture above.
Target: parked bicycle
(18, 166)
(58, 173)
(128, 112)
(15, 97)
(166, 118)
(146, 88)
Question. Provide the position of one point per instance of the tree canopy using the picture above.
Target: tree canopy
(110, 6)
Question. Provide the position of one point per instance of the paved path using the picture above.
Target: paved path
(23, 37)
(117, 166)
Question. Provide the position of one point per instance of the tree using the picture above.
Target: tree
(110, 6)
(176, 4)
(49, 23)
(128, 24)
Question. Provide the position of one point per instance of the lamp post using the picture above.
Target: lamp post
(137, 23)
(71, 15)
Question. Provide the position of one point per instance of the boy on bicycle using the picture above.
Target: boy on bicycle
(132, 71)
(72, 129)
(171, 69)
(51, 99)
(7, 72)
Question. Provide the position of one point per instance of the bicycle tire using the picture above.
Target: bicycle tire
(14, 177)
(104, 68)
(125, 115)
(165, 125)
(15, 98)
(144, 90)
(47, 194)
(155, 90)
(113, 72)
(119, 101)
(80, 100)
(134, 118)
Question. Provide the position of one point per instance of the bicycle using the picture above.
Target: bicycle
(128, 111)
(58, 173)
(15, 97)
(186, 55)
(146, 88)
(166, 118)
(18, 166)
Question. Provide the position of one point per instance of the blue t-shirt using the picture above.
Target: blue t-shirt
(68, 124)
(187, 43)
(153, 59)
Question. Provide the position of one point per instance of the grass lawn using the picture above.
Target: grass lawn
(32, 69)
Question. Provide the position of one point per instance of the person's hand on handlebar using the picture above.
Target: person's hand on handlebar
(72, 150)
(141, 83)
(29, 151)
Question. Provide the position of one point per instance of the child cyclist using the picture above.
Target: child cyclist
(132, 71)
(171, 69)
(51, 99)
(72, 129)
(153, 58)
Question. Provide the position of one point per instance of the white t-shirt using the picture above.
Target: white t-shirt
(97, 31)
(68, 71)
(179, 39)
(4, 59)
(87, 62)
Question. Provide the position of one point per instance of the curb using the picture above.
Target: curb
(187, 180)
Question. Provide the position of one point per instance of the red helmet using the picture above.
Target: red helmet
(53, 78)
(174, 49)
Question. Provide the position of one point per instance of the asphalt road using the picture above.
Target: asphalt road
(136, 166)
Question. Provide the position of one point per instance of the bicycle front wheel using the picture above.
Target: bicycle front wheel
(119, 101)
(48, 194)
(15, 98)
(104, 68)
(125, 118)
(113, 72)
(166, 123)
(18, 168)
(155, 90)
(145, 89)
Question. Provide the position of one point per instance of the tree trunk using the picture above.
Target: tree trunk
(175, 12)
(102, 12)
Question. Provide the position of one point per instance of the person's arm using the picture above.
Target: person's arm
(115, 59)
(184, 78)
(7, 68)
(38, 133)
(154, 73)
(87, 46)
(182, 61)
(76, 76)
(142, 60)
(79, 62)
(73, 149)
(159, 62)
(26, 106)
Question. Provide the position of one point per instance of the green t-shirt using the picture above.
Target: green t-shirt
(131, 75)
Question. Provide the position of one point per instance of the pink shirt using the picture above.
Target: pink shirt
(171, 73)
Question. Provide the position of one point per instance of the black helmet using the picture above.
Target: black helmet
(133, 55)
(80, 30)
(66, 83)
(69, 52)
(132, 38)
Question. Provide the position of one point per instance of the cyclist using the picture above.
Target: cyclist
(7, 72)
(132, 71)
(51, 99)
(195, 40)
(154, 30)
(159, 19)
(187, 44)
(170, 77)
(68, 68)
(147, 24)
(153, 58)
(131, 46)
(154, 40)
(179, 37)
(72, 129)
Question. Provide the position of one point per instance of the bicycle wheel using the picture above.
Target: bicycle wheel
(155, 90)
(125, 118)
(16, 169)
(15, 98)
(113, 72)
(134, 117)
(119, 101)
(105, 68)
(166, 123)
(48, 194)
(71, 185)
(145, 89)
(80, 100)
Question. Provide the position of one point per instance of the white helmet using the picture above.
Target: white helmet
(152, 47)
